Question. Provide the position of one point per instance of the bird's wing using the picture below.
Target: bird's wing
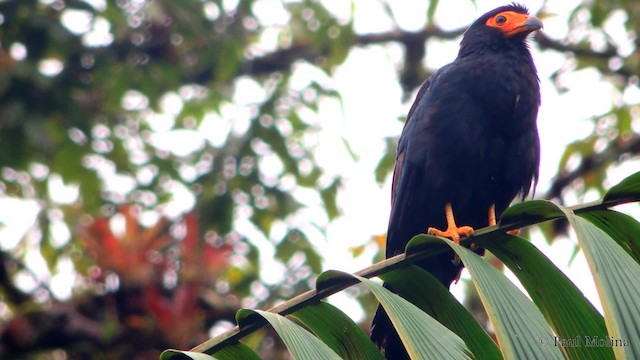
(402, 143)
(409, 170)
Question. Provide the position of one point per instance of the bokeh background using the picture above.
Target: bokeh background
(164, 163)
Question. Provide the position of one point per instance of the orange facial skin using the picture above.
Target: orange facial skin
(512, 23)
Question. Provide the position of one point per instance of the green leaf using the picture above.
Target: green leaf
(90, 190)
(564, 306)
(535, 210)
(294, 243)
(600, 11)
(302, 344)
(177, 354)
(580, 147)
(426, 292)
(338, 331)
(422, 336)
(616, 276)
(228, 55)
(328, 196)
(431, 10)
(238, 351)
(387, 162)
(352, 154)
(629, 188)
(520, 325)
(68, 162)
(521, 329)
(622, 228)
(625, 120)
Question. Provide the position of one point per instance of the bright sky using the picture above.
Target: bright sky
(372, 101)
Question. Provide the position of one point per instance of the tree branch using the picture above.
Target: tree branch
(314, 295)
(546, 43)
(282, 59)
(594, 162)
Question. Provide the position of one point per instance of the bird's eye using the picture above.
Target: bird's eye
(501, 19)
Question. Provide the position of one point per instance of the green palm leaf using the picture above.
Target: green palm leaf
(432, 324)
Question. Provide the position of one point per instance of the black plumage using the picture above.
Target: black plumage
(470, 141)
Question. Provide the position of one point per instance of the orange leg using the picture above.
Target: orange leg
(453, 232)
(492, 221)
(492, 215)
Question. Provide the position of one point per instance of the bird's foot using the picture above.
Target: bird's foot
(514, 232)
(453, 233)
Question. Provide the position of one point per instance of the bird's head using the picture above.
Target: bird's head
(508, 24)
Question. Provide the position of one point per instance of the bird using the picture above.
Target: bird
(469, 147)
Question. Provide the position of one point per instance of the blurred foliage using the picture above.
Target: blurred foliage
(114, 111)
(94, 96)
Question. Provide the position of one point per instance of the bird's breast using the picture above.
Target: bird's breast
(510, 105)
